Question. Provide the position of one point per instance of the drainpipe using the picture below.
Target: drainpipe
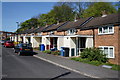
(93, 37)
(64, 33)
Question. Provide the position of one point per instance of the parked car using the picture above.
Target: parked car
(8, 44)
(23, 49)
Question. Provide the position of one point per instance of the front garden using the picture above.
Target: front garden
(57, 52)
(96, 57)
(92, 56)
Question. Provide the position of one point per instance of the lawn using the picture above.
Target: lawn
(97, 63)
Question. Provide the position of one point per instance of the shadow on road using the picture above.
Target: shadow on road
(60, 76)
(33, 53)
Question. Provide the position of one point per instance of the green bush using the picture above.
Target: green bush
(47, 51)
(7, 38)
(37, 48)
(94, 54)
(55, 52)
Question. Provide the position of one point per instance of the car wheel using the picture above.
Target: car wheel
(19, 53)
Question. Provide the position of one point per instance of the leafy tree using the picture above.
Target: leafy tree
(33, 22)
(47, 18)
(79, 7)
(97, 8)
(63, 13)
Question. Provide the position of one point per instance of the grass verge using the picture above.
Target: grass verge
(97, 63)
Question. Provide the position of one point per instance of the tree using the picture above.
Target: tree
(79, 7)
(97, 8)
(63, 13)
(47, 18)
(33, 22)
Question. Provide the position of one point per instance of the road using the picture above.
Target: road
(15, 66)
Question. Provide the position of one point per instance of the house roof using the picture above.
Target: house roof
(54, 27)
(39, 29)
(100, 21)
(23, 32)
(28, 31)
(49, 26)
(31, 30)
(73, 24)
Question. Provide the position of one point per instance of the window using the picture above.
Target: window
(71, 31)
(106, 30)
(39, 33)
(108, 50)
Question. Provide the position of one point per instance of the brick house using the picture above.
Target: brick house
(102, 32)
(106, 35)
(4, 35)
(68, 34)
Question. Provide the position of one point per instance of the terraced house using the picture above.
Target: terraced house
(102, 32)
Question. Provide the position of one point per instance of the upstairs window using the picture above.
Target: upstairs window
(39, 33)
(106, 30)
(71, 31)
(51, 32)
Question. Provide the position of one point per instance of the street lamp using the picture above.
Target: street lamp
(17, 32)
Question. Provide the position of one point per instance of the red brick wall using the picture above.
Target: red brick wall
(59, 33)
(109, 40)
(119, 46)
(85, 32)
(44, 33)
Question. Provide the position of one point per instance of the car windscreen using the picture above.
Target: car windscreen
(9, 42)
(26, 45)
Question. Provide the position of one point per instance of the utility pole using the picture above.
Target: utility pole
(17, 32)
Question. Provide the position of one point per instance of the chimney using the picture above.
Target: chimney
(46, 25)
(57, 22)
(104, 14)
(38, 26)
(75, 18)
(32, 27)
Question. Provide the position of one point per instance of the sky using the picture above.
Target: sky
(13, 12)
(19, 11)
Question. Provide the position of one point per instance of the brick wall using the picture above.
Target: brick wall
(59, 33)
(85, 32)
(109, 40)
(44, 33)
(119, 45)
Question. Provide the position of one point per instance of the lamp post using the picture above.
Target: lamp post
(17, 32)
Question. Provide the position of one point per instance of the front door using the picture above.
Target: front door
(81, 44)
(51, 42)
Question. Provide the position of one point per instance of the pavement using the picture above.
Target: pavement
(79, 67)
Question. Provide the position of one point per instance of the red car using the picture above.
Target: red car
(9, 44)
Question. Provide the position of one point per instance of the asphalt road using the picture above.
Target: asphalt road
(14, 66)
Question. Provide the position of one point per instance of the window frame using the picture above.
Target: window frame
(71, 31)
(108, 28)
(108, 56)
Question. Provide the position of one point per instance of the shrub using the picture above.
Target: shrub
(37, 48)
(47, 51)
(94, 54)
(55, 52)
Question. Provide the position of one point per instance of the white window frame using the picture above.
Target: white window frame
(71, 33)
(51, 32)
(108, 56)
(39, 33)
(108, 30)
